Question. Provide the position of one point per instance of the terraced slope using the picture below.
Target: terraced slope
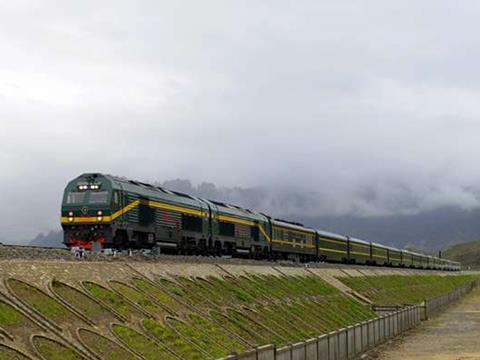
(76, 310)
(401, 289)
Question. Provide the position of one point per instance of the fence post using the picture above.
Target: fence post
(266, 352)
(350, 342)
(322, 347)
(364, 331)
(358, 338)
(333, 346)
(311, 349)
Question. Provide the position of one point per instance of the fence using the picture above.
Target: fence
(354, 340)
(437, 303)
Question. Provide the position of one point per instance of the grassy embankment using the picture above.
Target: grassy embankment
(194, 319)
(185, 318)
(467, 253)
(401, 290)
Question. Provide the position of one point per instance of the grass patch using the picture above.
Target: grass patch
(250, 319)
(139, 298)
(198, 294)
(81, 303)
(173, 341)
(202, 339)
(141, 344)
(53, 350)
(103, 347)
(241, 328)
(9, 316)
(7, 353)
(216, 333)
(400, 290)
(37, 299)
(161, 296)
(111, 299)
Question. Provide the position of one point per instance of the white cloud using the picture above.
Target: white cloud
(372, 105)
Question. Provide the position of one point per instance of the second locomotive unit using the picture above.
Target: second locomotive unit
(104, 211)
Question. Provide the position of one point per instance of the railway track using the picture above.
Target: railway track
(29, 252)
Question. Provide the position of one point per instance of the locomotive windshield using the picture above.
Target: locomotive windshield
(98, 197)
(76, 198)
(87, 197)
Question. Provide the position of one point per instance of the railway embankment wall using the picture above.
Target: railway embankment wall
(180, 309)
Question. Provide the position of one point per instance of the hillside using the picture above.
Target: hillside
(52, 239)
(468, 253)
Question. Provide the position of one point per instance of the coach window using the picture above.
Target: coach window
(254, 233)
(115, 198)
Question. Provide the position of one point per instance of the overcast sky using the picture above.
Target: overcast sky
(373, 106)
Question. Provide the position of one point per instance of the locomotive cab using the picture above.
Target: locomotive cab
(87, 207)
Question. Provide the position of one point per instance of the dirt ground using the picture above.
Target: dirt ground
(454, 334)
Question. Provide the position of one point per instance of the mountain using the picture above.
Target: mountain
(431, 230)
(52, 239)
(467, 253)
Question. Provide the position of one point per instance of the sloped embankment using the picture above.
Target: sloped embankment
(70, 310)
(402, 290)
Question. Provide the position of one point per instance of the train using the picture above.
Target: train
(103, 211)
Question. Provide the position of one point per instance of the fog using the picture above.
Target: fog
(361, 108)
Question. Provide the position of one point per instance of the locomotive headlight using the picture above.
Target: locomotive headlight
(70, 219)
(70, 213)
(99, 212)
(99, 218)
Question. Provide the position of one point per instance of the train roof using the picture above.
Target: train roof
(155, 191)
(292, 225)
(390, 247)
(332, 235)
(359, 241)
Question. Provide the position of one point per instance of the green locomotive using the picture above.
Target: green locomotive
(103, 211)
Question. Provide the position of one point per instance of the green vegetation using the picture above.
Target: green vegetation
(468, 253)
(198, 318)
(103, 347)
(143, 345)
(53, 350)
(81, 303)
(400, 290)
(216, 334)
(264, 309)
(9, 316)
(9, 354)
(139, 298)
(111, 299)
(200, 338)
(174, 341)
(47, 306)
(237, 324)
(161, 296)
